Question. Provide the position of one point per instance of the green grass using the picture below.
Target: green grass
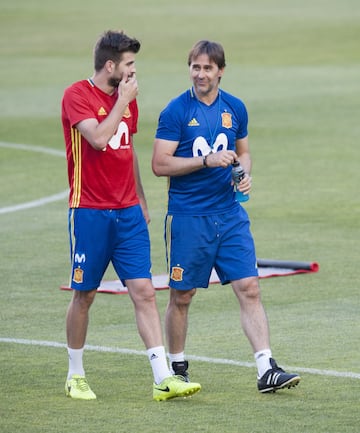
(296, 66)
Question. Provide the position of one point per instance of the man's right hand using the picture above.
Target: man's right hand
(223, 158)
(128, 87)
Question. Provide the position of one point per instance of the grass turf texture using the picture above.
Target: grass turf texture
(296, 66)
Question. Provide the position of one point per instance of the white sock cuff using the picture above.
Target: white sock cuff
(266, 352)
(75, 362)
(262, 359)
(158, 362)
(156, 352)
(75, 351)
(176, 357)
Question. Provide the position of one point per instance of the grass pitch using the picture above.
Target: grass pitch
(296, 66)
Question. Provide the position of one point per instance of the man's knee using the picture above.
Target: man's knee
(141, 290)
(247, 287)
(181, 298)
(83, 299)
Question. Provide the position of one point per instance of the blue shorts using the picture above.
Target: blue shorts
(98, 237)
(196, 244)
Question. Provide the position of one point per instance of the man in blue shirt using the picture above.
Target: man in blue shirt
(200, 135)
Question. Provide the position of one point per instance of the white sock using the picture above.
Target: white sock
(262, 359)
(175, 357)
(158, 362)
(75, 362)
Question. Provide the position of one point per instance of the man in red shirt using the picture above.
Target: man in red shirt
(108, 214)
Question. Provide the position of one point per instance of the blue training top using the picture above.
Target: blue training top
(201, 129)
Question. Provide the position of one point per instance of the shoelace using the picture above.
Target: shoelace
(178, 376)
(275, 367)
(82, 384)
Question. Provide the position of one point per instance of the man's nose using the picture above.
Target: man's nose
(201, 73)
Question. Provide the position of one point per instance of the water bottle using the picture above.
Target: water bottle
(237, 175)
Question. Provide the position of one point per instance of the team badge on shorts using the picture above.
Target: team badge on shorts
(78, 275)
(177, 273)
(226, 120)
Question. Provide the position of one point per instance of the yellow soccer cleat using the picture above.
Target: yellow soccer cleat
(174, 386)
(78, 388)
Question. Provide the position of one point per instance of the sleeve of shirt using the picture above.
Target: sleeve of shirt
(135, 116)
(169, 124)
(77, 106)
(242, 131)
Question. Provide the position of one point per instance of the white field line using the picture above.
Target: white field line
(30, 148)
(320, 372)
(41, 201)
(34, 203)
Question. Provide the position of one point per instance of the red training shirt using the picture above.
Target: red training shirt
(98, 179)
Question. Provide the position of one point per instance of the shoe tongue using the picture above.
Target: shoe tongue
(273, 363)
(181, 364)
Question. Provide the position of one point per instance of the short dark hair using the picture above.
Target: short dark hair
(214, 50)
(111, 45)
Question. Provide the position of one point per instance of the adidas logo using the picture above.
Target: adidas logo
(102, 111)
(153, 356)
(193, 122)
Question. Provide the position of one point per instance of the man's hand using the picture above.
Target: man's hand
(128, 87)
(245, 184)
(224, 158)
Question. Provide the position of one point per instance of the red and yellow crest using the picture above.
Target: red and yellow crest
(78, 275)
(226, 120)
(177, 273)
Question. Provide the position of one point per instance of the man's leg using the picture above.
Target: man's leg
(142, 294)
(176, 319)
(166, 386)
(252, 314)
(176, 324)
(77, 320)
(255, 325)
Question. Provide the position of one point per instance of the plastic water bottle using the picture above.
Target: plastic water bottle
(237, 174)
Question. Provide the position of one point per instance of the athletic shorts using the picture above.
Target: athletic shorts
(98, 237)
(196, 244)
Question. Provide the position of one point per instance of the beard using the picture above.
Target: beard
(114, 82)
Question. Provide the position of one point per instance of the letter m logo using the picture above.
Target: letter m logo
(80, 258)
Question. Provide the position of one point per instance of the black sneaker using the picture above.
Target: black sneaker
(180, 369)
(276, 378)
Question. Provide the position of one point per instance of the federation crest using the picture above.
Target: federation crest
(78, 275)
(177, 273)
(226, 120)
